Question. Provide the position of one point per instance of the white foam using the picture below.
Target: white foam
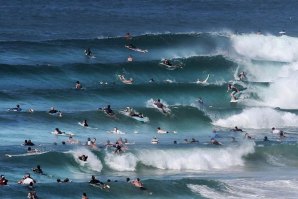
(259, 118)
(266, 47)
(249, 188)
(92, 162)
(282, 93)
(122, 162)
(195, 159)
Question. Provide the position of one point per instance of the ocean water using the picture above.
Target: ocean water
(42, 56)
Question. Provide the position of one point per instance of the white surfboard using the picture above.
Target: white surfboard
(26, 154)
(57, 114)
(136, 49)
(125, 81)
(204, 81)
(234, 100)
(63, 134)
(141, 119)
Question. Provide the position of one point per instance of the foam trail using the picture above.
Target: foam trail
(266, 47)
(259, 118)
(92, 162)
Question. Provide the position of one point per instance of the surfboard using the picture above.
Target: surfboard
(118, 132)
(27, 181)
(14, 110)
(234, 101)
(125, 81)
(141, 119)
(204, 81)
(57, 114)
(136, 49)
(101, 186)
(26, 154)
(169, 67)
(64, 134)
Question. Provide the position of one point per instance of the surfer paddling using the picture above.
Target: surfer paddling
(160, 105)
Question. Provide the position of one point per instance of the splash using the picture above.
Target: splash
(259, 118)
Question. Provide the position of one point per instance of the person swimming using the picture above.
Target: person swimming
(167, 62)
(53, 110)
(63, 181)
(237, 129)
(78, 85)
(88, 52)
(137, 183)
(108, 110)
(37, 170)
(3, 180)
(83, 157)
(58, 132)
(85, 123)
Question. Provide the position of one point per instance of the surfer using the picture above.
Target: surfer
(234, 91)
(88, 52)
(265, 139)
(237, 129)
(129, 59)
(28, 143)
(3, 180)
(282, 134)
(58, 132)
(78, 85)
(30, 150)
(108, 110)
(83, 157)
(161, 131)
(215, 142)
(167, 62)
(154, 140)
(63, 181)
(275, 131)
(159, 105)
(247, 136)
(125, 81)
(84, 196)
(53, 110)
(84, 123)
(137, 183)
(118, 148)
(193, 140)
(128, 36)
(27, 179)
(17, 108)
(37, 170)
(242, 75)
(95, 181)
(32, 195)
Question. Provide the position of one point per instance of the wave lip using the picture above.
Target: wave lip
(266, 47)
